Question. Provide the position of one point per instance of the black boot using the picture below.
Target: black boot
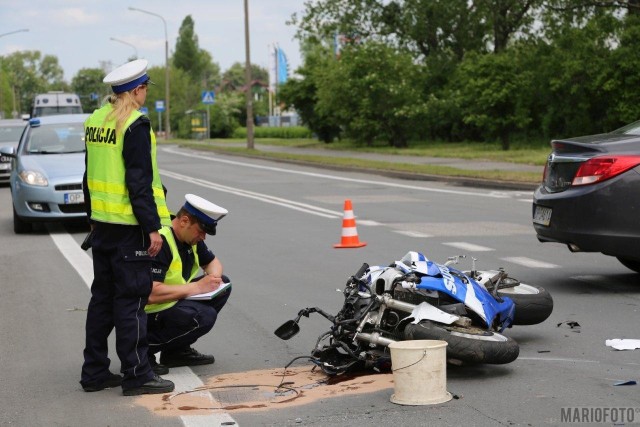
(112, 380)
(156, 386)
(157, 368)
(186, 357)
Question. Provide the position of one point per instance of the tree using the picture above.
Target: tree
(432, 28)
(372, 90)
(623, 77)
(505, 18)
(186, 56)
(325, 19)
(488, 92)
(88, 82)
(302, 93)
(225, 114)
(28, 73)
(197, 63)
(234, 77)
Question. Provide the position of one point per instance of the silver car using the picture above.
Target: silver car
(46, 179)
(10, 131)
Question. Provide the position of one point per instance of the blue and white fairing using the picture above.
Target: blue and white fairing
(436, 277)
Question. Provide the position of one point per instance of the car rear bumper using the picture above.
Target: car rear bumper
(604, 217)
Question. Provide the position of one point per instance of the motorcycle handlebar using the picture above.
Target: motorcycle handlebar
(363, 269)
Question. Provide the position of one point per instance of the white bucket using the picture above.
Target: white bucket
(419, 372)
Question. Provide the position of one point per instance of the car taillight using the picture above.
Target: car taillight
(599, 169)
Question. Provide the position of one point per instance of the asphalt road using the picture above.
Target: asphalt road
(276, 244)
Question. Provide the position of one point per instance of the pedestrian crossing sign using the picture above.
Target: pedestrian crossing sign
(208, 97)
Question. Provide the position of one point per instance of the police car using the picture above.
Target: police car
(46, 181)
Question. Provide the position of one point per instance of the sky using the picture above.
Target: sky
(79, 32)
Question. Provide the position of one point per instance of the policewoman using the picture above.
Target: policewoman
(176, 321)
(126, 206)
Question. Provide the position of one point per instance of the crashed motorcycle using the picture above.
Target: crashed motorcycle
(418, 299)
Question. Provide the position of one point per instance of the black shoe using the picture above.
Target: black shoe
(156, 386)
(159, 369)
(156, 367)
(112, 380)
(187, 357)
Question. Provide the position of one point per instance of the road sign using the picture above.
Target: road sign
(208, 97)
(144, 110)
(160, 106)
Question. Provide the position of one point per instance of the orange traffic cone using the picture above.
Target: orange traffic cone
(349, 231)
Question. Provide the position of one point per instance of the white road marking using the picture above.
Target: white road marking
(468, 246)
(413, 234)
(303, 207)
(367, 222)
(486, 194)
(184, 378)
(528, 262)
(78, 258)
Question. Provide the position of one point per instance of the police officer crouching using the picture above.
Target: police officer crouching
(175, 321)
(127, 208)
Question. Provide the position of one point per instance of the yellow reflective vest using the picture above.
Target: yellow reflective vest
(106, 171)
(174, 274)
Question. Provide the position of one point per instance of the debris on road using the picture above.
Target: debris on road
(623, 344)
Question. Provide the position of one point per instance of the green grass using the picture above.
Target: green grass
(528, 154)
(519, 153)
(459, 150)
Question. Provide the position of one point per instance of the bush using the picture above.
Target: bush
(289, 132)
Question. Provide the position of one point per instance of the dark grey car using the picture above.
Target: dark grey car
(10, 132)
(590, 195)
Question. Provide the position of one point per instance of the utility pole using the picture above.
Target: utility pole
(247, 77)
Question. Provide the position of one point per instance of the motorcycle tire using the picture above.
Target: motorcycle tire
(467, 345)
(533, 303)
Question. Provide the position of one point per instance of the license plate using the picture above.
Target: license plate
(73, 198)
(5, 159)
(542, 215)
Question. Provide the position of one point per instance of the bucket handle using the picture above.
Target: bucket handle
(424, 354)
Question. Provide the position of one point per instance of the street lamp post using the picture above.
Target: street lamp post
(135, 49)
(167, 130)
(247, 77)
(2, 35)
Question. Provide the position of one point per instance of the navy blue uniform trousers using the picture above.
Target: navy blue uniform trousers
(178, 327)
(120, 290)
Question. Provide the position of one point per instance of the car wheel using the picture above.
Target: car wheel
(20, 226)
(630, 264)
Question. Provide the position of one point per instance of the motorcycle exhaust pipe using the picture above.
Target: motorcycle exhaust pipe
(398, 305)
(374, 338)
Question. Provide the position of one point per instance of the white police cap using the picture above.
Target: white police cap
(128, 76)
(207, 213)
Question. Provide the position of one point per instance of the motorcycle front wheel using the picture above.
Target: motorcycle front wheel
(533, 303)
(467, 345)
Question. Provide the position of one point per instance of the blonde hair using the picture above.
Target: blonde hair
(123, 105)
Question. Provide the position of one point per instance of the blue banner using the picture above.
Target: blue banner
(282, 66)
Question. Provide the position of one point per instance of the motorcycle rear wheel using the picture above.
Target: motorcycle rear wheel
(533, 303)
(467, 345)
